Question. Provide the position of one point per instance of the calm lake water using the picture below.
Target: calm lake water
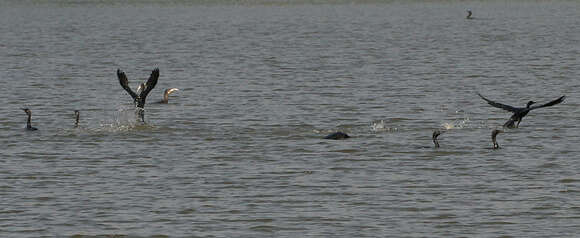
(238, 152)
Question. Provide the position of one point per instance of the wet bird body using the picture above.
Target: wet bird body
(141, 95)
(436, 133)
(337, 136)
(29, 126)
(77, 117)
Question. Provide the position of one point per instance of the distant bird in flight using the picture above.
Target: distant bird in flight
(520, 112)
(139, 99)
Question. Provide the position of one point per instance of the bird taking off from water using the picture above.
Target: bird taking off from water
(139, 99)
(520, 112)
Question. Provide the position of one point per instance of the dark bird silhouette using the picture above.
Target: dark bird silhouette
(493, 136)
(520, 112)
(436, 133)
(337, 136)
(28, 124)
(77, 117)
(469, 14)
(139, 99)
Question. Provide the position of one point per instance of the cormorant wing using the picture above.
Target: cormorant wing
(125, 83)
(500, 105)
(151, 82)
(552, 103)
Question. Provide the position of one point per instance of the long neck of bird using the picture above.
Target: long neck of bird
(28, 124)
(165, 97)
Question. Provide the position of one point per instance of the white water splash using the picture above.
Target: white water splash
(377, 126)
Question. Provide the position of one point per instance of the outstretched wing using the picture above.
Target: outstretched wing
(151, 82)
(125, 83)
(500, 105)
(552, 103)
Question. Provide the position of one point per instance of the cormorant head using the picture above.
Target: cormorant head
(170, 90)
(26, 110)
(530, 103)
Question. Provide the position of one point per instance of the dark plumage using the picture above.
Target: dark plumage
(139, 99)
(28, 124)
(520, 112)
(436, 133)
(337, 136)
(469, 14)
(77, 117)
(493, 136)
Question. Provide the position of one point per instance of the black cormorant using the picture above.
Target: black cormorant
(493, 136)
(436, 133)
(28, 125)
(77, 116)
(337, 136)
(469, 14)
(520, 112)
(139, 99)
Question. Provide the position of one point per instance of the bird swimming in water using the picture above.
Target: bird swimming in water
(28, 124)
(436, 133)
(337, 136)
(139, 97)
(493, 136)
(469, 13)
(166, 93)
(77, 116)
(520, 112)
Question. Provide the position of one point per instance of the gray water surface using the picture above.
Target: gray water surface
(238, 152)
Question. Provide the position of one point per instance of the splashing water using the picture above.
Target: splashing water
(377, 126)
(457, 124)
